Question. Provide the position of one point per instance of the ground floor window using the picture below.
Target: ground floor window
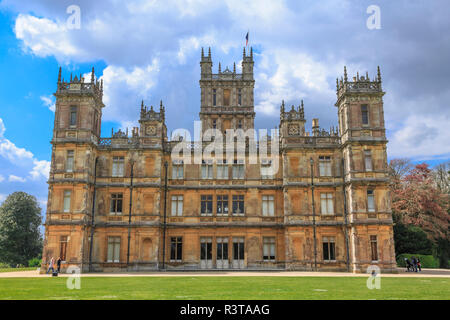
(374, 248)
(269, 248)
(328, 249)
(176, 248)
(63, 247)
(113, 249)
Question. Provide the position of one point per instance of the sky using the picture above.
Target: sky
(150, 50)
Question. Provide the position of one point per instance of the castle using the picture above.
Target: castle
(123, 203)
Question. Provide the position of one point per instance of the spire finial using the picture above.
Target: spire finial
(378, 74)
(92, 75)
(337, 84)
(244, 53)
(251, 52)
(345, 74)
(59, 75)
(71, 77)
(234, 67)
(357, 75)
(209, 52)
(219, 68)
(203, 54)
(142, 104)
(101, 85)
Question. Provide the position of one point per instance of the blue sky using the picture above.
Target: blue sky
(151, 49)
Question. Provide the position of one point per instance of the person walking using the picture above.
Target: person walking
(414, 262)
(58, 264)
(419, 265)
(51, 265)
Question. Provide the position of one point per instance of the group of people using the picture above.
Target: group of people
(51, 265)
(413, 265)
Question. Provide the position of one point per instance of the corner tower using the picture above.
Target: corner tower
(227, 100)
(366, 178)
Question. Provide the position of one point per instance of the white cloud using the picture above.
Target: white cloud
(41, 169)
(2, 178)
(13, 178)
(12, 153)
(48, 102)
(125, 88)
(421, 138)
(22, 158)
(44, 37)
(2, 197)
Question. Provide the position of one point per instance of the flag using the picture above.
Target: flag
(246, 39)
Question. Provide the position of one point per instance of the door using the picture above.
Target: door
(205, 253)
(238, 253)
(222, 253)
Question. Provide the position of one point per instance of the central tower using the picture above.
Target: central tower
(227, 100)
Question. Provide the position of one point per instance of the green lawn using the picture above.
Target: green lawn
(17, 269)
(192, 288)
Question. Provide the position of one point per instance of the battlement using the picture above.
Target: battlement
(77, 86)
(293, 114)
(150, 114)
(227, 74)
(360, 84)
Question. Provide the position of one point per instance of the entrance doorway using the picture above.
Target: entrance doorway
(222, 253)
(205, 253)
(238, 253)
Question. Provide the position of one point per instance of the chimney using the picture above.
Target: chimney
(315, 126)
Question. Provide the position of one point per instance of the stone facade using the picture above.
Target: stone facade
(326, 208)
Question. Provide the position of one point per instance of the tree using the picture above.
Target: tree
(418, 202)
(411, 239)
(441, 176)
(20, 237)
(398, 168)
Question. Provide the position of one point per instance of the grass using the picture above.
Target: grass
(17, 269)
(224, 288)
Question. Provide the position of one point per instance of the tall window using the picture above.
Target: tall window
(268, 206)
(239, 125)
(207, 169)
(370, 201)
(365, 114)
(113, 249)
(176, 248)
(238, 248)
(374, 248)
(69, 161)
(214, 97)
(206, 205)
(368, 160)
(325, 166)
(226, 97)
(222, 169)
(238, 169)
(269, 248)
(239, 97)
(214, 124)
(73, 116)
(63, 247)
(116, 203)
(326, 203)
(222, 248)
(238, 205)
(177, 205)
(328, 248)
(222, 205)
(266, 169)
(177, 170)
(67, 196)
(118, 167)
